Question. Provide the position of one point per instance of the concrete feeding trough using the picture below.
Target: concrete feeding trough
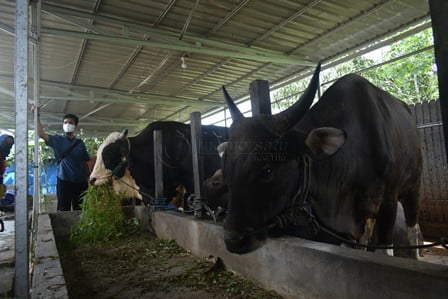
(299, 268)
(293, 267)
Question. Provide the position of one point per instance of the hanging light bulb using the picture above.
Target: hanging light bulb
(183, 65)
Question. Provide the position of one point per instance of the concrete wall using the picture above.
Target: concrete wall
(48, 279)
(298, 268)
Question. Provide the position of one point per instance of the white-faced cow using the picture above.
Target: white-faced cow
(349, 158)
(120, 153)
(100, 174)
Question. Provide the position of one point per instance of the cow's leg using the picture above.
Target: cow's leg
(369, 227)
(385, 224)
(411, 207)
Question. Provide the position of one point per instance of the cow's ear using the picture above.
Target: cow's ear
(325, 141)
(222, 148)
(124, 134)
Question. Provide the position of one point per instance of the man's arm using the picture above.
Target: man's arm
(40, 129)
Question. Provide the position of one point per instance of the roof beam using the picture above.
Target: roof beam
(84, 44)
(170, 40)
(164, 12)
(95, 110)
(161, 100)
(136, 97)
(298, 13)
(11, 31)
(243, 53)
(117, 96)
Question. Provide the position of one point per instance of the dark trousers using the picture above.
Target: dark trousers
(69, 195)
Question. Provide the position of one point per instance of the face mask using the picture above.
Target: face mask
(68, 128)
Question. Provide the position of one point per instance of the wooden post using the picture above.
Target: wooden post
(259, 97)
(158, 166)
(198, 163)
(439, 13)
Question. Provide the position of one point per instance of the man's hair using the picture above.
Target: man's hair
(72, 116)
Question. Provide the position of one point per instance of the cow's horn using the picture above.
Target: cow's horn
(124, 134)
(234, 111)
(288, 118)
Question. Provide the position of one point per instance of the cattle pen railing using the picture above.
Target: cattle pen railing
(434, 190)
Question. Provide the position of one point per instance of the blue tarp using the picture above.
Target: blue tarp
(48, 177)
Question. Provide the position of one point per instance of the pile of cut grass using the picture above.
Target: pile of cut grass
(102, 218)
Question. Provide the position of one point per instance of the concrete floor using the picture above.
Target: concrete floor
(7, 255)
(7, 248)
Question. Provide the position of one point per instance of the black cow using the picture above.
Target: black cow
(137, 154)
(217, 194)
(349, 158)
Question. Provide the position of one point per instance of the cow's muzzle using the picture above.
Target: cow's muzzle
(241, 242)
(99, 180)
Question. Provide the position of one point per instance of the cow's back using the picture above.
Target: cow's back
(177, 153)
(381, 155)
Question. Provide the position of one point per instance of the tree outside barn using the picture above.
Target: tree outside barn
(412, 79)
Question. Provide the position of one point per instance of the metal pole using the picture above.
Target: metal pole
(198, 164)
(36, 92)
(158, 165)
(21, 210)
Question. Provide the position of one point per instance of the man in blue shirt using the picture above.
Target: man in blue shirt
(71, 156)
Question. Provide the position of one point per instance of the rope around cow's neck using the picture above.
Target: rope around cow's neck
(301, 206)
(132, 187)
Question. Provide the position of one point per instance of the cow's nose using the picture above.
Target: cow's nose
(92, 181)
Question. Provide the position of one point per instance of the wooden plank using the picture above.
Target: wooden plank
(259, 97)
(429, 144)
(425, 193)
(440, 172)
(158, 165)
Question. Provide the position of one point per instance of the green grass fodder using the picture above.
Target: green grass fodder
(102, 217)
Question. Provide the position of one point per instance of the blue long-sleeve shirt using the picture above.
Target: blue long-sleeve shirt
(72, 167)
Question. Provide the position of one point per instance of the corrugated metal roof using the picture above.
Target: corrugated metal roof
(118, 63)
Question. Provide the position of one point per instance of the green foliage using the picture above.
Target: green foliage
(102, 217)
(92, 144)
(289, 94)
(411, 79)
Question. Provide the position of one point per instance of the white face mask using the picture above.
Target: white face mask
(68, 128)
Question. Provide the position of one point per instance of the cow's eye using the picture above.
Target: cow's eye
(266, 174)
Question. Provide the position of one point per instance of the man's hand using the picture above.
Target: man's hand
(40, 129)
(33, 107)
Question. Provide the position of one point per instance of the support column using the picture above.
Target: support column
(259, 97)
(439, 12)
(21, 281)
(36, 94)
(158, 165)
(198, 163)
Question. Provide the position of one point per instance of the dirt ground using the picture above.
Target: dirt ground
(436, 255)
(145, 267)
